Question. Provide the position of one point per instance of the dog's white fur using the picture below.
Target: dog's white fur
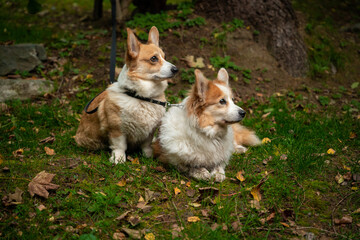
(201, 143)
(122, 121)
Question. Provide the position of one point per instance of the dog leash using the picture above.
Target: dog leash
(112, 56)
(133, 94)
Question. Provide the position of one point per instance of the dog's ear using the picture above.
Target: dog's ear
(153, 36)
(201, 84)
(133, 45)
(223, 76)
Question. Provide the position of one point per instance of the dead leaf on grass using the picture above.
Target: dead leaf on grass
(177, 191)
(41, 207)
(50, 139)
(49, 151)
(255, 204)
(18, 153)
(339, 178)
(122, 182)
(191, 62)
(119, 236)
(136, 234)
(193, 219)
(190, 192)
(344, 220)
(41, 183)
(149, 236)
(240, 176)
(159, 169)
(13, 198)
(285, 224)
(255, 192)
(265, 140)
(134, 220)
(330, 151)
(122, 216)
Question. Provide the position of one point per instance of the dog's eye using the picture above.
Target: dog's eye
(154, 59)
(222, 101)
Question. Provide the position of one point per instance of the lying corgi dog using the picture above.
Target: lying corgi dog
(200, 137)
(129, 110)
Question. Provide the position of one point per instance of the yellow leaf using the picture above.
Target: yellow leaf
(339, 178)
(141, 199)
(265, 140)
(285, 224)
(101, 193)
(122, 182)
(135, 161)
(330, 151)
(347, 168)
(188, 184)
(193, 219)
(255, 192)
(177, 191)
(22, 129)
(49, 151)
(89, 76)
(240, 176)
(149, 236)
(354, 188)
(195, 204)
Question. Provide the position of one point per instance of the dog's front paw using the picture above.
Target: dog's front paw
(218, 174)
(148, 152)
(200, 173)
(117, 157)
(240, 149)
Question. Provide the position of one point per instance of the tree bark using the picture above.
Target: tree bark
(98, 9)
(274, 19)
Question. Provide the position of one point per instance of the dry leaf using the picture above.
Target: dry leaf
(190, 192)
(119, 236)
(82, 194)
(41, 183)
(134, 220)
(255, 204)
(18, 153)
(122, 216)
(49, 151)
(339, 178)
(188, 184)
(159, 169)
(50, 139)
(330, 151)
(285, 224)
(13, 198)
(122, 182)
(136, 234)
(352, 135)
(177, 191)
(265, 140)
(199, 63)
(149, 236)
(135, 161)
(357, 210)
(270, 217)
(344, 220)
(41, 207)
(195, 204)
(193, 219)
(240, 176)
(255, 192)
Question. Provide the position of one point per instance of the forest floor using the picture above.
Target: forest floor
(303, 182)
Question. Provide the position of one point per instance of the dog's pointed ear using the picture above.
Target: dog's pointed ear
(133, 45)
(201, 84)
(153, 36)
(223, 76)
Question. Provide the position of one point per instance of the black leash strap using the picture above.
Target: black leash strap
(112, 55)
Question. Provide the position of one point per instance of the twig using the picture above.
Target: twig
(13, 178)
(336, 206)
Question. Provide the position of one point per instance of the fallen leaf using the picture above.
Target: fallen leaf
(149, 236)
(347, 176)
(284, 224)
(330, 151)
(13, 198)
(354, 85)
(122, 182)
(41, 183)
(204, 212)
(82, 194)
(190, 192)
(270, 217)
(135, 161)
(347, 168)
(198, 63)
(283, 157)
(159, 169)
(50, 139)
(339, 178)
(122, 216)
(265, 140)
(149, 195)
(188, 184)
(134, 220)
(255, 192)
(344, 220)
(18, 153)
(41, 207)
(193, 219)
(214, 226)
(49, 151)
(177, 191)
(255, 204)
(240, 176)
(195, 204)
(352, 135)
(136, 234)
(118, 236)
(357, 210)
(236, 226)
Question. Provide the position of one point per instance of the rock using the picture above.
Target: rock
(23, 89)
(22, 57)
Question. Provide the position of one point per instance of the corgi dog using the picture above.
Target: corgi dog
(124, 120)
(200, 137)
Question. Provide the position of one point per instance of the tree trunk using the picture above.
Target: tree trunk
(98, 9)
(274, 19)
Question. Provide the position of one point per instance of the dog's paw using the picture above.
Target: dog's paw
(200, 173)
(148, 152)
(240, 149)
(218, 174)
(117, 157)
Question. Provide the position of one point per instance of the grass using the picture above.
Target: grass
(89, 199)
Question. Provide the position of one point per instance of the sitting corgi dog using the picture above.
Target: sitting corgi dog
(200, 137)
(125, 120)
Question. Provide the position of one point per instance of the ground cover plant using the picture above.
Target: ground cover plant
(302, 182)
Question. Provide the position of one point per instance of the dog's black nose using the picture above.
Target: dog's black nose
(242, 113)
(174, 69)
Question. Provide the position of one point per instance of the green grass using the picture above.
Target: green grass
(88, 200)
